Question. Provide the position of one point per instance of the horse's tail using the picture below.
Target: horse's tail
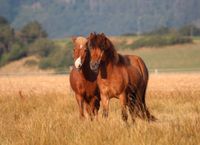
(144, 112)
(145, 75)
(138, 107)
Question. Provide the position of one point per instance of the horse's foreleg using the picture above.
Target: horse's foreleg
(90, 108)
(80, 102)
(123, 103)
(105, 105)
(95, 104)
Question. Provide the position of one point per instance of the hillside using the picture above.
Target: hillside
(26, 65)
(114, 17)
(182, 57)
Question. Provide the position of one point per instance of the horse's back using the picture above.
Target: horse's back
(132, 71)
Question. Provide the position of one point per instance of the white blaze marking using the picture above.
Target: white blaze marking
(78, 62)
(81, 46)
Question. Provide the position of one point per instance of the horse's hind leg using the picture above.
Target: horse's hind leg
(123, 103)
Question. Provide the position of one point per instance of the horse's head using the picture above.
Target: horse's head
(80, 51)
(101, 49)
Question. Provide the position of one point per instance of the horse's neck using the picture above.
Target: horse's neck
(87, 72)
(106, 69)
(108, 66)
(110, 62)
(86, 68)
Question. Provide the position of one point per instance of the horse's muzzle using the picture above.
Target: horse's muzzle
(78, 63)
(94, 66)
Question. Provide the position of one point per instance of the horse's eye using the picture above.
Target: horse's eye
(89, 46)
(102, 46)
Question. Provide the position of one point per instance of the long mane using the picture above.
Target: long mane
(102, 42)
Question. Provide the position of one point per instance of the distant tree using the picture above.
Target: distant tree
(189, 30)
(32, 31)
(3, 21)
(160, 31)
(6, 35)
(17, 51)
(42, 47)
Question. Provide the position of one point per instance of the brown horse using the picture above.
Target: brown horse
(83, 80)
(123, 77)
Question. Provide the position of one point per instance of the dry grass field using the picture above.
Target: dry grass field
(41, 110)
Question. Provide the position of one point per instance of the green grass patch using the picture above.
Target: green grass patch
(180, 56)
(160, 40)
(59, 58)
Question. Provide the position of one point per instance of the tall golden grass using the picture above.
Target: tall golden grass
(41, 110)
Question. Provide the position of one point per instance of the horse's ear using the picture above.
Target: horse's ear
(102, 34)
(91, 34)
(73, 39)
(88, 43)
(107, 43)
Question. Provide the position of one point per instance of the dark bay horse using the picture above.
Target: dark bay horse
(83, 80)
(123, 77)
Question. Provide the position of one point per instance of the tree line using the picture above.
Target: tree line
(32, 39)
(14, 44)
(62, 18)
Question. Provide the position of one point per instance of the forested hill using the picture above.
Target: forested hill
(72, 17)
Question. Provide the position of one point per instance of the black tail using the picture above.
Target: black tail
(140, 99)
(138, 107)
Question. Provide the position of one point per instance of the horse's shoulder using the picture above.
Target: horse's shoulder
(75, 75)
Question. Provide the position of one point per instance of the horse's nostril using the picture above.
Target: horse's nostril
(92, 65)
